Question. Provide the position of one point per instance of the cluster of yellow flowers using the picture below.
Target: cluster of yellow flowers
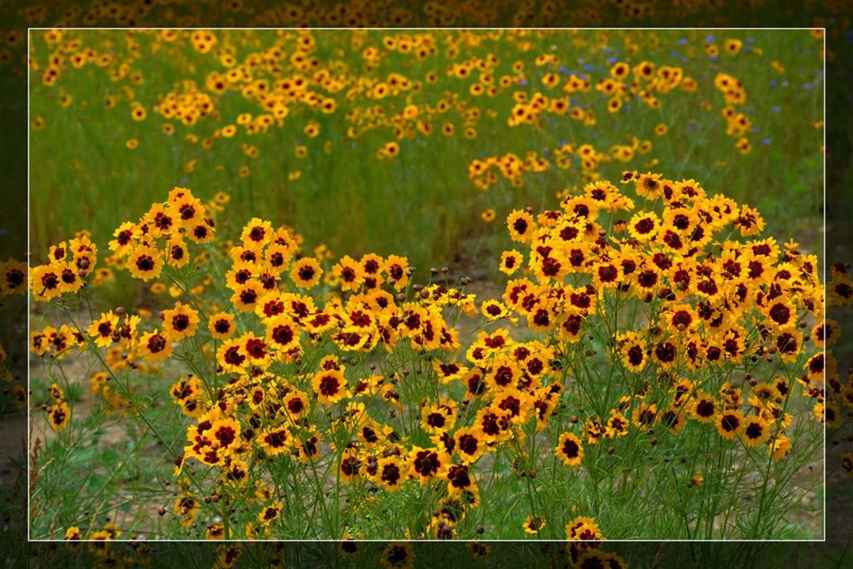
(278, 385)
(737, 124)
(69, 264)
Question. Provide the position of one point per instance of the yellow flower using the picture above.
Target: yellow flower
(493, 310)
(59, 415)
(397, 269)
(521, 225)
(103, 329)
(569, 449)
(145, 263)
(306, 272)
(755, 431)
(73, 534)
(533, 524)
(155, 346)
(45, 282)
(330, 386)
(510, 262)
(221, 325)
(270, 513)
(180, 322)
(583, 529)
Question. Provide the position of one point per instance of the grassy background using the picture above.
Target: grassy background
(421, 203)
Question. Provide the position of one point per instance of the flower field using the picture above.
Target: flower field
(425, 284)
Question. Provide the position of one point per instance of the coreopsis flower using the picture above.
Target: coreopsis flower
(569, 449)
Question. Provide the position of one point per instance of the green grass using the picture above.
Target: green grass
(421, 203)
